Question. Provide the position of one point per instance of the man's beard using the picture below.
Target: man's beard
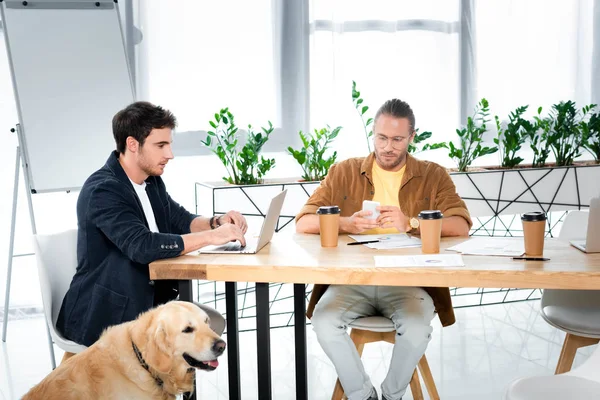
(147, 167)
(389, 164)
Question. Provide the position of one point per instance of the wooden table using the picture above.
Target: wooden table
(300, 259)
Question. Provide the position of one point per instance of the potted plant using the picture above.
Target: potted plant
(242, 162)
(471, 137)
(245, 189)
(591, 134)
(563, 135)
(510, 139)
(493, 194)
(311, 156)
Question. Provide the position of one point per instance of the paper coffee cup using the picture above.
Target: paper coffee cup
(534, 228)
(430, 225)
(329, 222)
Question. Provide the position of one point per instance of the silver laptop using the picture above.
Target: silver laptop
(591, 244)
(253, 245)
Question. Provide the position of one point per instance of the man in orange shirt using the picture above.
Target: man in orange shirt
(404, 186)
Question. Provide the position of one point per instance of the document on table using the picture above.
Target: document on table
(389, 241)
(491, 246)
(425, 260)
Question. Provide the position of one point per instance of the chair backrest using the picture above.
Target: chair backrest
(574, 226)
(57, 262)
(589, 369)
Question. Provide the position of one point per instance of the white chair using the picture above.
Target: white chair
(581, 383)
(576, 312)
(56, 256)
(376, 329)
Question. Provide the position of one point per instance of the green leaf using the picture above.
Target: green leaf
(365, 109)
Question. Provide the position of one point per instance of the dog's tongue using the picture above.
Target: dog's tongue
(213, 363)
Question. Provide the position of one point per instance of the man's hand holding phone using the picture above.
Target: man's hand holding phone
(362, 220)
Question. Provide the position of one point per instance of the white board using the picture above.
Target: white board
(70, 76)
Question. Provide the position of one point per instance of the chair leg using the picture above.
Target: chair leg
(428, 378)
(359, 338)
(415, 386)
(569, 349)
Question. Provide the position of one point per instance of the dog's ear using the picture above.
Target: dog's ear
(159, 349)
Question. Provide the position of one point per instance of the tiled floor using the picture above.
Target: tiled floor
(476, 358)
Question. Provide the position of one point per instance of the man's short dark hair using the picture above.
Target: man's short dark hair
(137, 120)
(397, 109)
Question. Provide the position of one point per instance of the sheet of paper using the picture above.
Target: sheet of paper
(422, 260)
(491, 246)
(389, 241)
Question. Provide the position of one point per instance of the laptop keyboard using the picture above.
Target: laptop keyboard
(235, 246)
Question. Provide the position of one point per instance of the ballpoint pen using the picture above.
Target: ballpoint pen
(365, 242)
(531, 258)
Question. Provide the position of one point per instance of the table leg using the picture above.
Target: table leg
(263, 341)
(186, 294)
(300, 339)
(233, 339)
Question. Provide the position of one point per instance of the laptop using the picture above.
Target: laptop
(253, 245)
(591, 244)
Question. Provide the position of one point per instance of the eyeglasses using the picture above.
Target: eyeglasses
(382, 141)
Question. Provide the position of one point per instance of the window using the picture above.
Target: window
(197, 57)
(407, 50)
(534, 52)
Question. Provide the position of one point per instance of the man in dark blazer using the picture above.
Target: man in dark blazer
(126, 220)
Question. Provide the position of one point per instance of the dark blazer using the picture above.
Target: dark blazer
(114, 247)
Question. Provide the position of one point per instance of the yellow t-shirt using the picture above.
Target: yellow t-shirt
(387, 185)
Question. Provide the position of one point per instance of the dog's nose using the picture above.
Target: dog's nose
(219, 347)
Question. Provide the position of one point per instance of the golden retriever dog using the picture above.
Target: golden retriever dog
(152, 357)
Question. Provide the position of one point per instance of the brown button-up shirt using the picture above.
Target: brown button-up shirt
(425, 186)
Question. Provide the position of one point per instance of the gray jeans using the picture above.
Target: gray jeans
(410, 308)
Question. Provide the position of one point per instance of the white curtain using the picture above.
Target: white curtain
(443, 56)
(535, 52)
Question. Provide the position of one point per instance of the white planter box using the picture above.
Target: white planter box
(496, 198)
(253, 200)
(493, 194)
(516, 191)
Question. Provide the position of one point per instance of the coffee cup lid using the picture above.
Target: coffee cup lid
(431, 214)
(328, 210)
(534, 216)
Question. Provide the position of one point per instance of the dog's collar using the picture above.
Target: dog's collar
(144, 364)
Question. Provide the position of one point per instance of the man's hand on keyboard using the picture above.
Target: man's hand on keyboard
(227, 233)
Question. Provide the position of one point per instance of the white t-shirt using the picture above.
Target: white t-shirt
(143, 196)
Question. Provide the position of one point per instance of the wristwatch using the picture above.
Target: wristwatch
(413, 223)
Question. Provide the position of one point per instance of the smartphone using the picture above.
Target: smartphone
(369, 205)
